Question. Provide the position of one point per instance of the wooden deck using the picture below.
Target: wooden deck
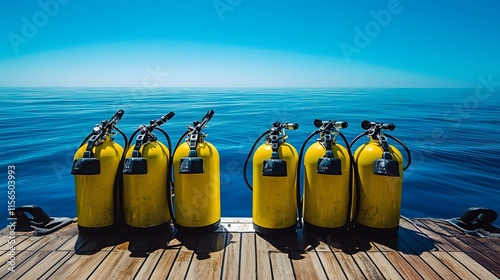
(424, 248)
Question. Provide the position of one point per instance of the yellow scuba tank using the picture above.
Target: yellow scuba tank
(196, 169)
(96, 167)
(146, 180)
(327, 176)
(378, 179)
(274, 192)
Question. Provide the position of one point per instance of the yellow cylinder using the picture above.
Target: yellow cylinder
(379, 196)
(95, 206)
(274, 198)
(197, 195)
(326, 197)
(145, 195)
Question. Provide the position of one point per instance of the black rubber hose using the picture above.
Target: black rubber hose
(171, 172)
(299, 197)
(133, 136)
(180, 139)
(168, 139)
(351, 175)
(118, 187)
(357, 138)
(356, 176)
(248, 159)
(86, 139)
(404, 147)
(169, 180)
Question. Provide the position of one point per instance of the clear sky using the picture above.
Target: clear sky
(249, 43)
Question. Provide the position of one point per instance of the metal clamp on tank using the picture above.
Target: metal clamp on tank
(89, 164)
(329, 164)
(196, 184)
(277, 135)
(378, 169)
(274, 190)
(146, 178)
(386, 165)
(192, 163)
(327, 179)
(138, 164)
(97, 168)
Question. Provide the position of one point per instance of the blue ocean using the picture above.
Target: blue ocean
(452, 135)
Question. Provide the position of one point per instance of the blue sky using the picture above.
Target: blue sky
(249, 43)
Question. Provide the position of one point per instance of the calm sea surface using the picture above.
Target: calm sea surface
(452, 134)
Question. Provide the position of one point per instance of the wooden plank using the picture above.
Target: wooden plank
(309, 267)
(181, 265)
(17, 241)
(455, 266)
(182, 262)
(45, 265)
(416, 241)
(490, 264)
(411, 228)
(480, 271)
(349, 266)
(26, 259)
(4, 238)
(401, 265)
(472, 252)
(335, 243)
(168, 257)
(407, 253)
(350, 244)
(164, 239)
(70, 245)
(385, 267)
(284, 243)
(262, 256)
(117, 265)
(317, 242)
(208, 261)
(158, 264)
(332, 268)
(281, 266)
(383, 243)
(57, 242)
(159, 260)
(366, 243)
(88, 245)
(30, 242)
(441, 242)
(79, 266)
(118, 242)
(56, 265)
(23, 263)
(480, 244)
(418, 252)
(445, 234)
(231, 265)
(434, 264)
(366, 265)
(248, 257)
